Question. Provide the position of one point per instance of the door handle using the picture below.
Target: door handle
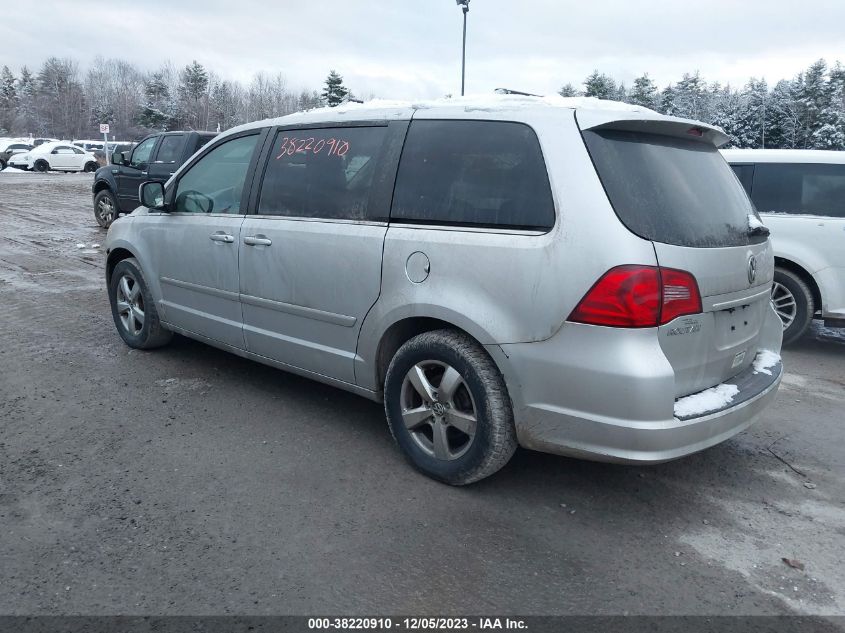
(257, 240)
(220, 236)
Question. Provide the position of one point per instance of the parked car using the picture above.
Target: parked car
(56, 156)
(800, 195)
(579, 278)
(9, 147)
(155, 158)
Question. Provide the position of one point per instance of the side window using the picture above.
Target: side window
(215, 183)
(170, 148)
(76, 150)
(141, 155)
(800, 188)
(64, 150)
(473, 173)
(322, 173)
(745, 173)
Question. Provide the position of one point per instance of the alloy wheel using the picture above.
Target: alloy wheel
(438, 410)
(130, 304)
(105, 209)
(785, 304)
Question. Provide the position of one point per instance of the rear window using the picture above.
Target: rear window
(473, 173)
(811, 189)
(672, 190)
(170, 149)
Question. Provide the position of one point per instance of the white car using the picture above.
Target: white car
(800, 195)
(57, 156)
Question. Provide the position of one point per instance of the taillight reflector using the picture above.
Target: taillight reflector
(638, 296)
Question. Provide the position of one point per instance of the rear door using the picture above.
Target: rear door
(310, 262)
(167, 157)
(669, 184)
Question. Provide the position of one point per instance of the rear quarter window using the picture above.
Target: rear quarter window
(473, 173)
(672, 190)
(800, 188)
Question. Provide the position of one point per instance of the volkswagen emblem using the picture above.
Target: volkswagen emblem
(752, 269)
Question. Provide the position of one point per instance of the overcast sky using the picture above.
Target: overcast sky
(411, 48)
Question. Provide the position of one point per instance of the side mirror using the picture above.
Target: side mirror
(151, 195)
(117, 158)
(55, 151)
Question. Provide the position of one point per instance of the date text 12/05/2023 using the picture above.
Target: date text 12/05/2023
(291, 146)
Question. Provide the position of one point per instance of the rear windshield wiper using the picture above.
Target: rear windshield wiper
(759, 231)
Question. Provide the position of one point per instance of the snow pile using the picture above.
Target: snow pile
(704, 401)
(754, 222)
(12, 170)
(764, 361)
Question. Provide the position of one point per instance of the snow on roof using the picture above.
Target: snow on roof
(387, 108)
(783, 156)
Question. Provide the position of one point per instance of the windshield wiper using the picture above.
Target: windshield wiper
(758, 231)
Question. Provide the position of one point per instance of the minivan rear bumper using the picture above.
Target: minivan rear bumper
(567, 403)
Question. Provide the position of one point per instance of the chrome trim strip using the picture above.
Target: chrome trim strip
(724, 305)
(301, 311)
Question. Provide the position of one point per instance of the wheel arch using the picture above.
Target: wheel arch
(102, 185)
(116, 256)
(806, 276)
(400, 332)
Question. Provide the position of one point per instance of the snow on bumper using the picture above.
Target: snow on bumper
(581, 410)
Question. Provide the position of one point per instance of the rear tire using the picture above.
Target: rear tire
(105, 208)
(462, 429)
(133, 308)
(41, 165)
(793, 301)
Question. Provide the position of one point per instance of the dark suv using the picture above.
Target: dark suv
(155, 158)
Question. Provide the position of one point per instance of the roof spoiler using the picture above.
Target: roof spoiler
(653, 123)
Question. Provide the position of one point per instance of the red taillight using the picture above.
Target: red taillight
(638, 296)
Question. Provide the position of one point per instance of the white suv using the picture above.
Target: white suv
(800, 195)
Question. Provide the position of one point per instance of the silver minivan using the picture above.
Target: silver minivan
(572, 276)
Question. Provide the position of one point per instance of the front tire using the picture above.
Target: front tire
(41, 166)
(448, 407)
(105, 208)
(133, 307)
(90, 167)
(793, 301)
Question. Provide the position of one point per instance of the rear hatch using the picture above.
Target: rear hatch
(668, 184)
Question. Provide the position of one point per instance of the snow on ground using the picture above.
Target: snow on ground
(704, 401)
(764, 361)
(11, 170)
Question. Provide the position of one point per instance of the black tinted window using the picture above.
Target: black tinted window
(813, 189)
(672, 190)
(169, 149)
(322, 173)
(486, 173)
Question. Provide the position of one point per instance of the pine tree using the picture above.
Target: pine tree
(568, 90)
(193, 97)
(691, 97)
(8, 99)
(334, 91)
(644, 92)
(156, 113)
(667, 100)
(814, 98)
(601, 86)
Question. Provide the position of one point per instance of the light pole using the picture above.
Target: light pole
(464, 4)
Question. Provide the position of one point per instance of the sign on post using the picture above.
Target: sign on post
(104, 130)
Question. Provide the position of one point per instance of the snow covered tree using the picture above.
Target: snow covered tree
(644, 92)
(156, 112)
(568, 90)
(8, 99)
(334, 91)
(601, 86)
(666, 102)
(785, 113)
(691, 97)
(60, 103)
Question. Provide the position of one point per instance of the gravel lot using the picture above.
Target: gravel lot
(189, 481)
